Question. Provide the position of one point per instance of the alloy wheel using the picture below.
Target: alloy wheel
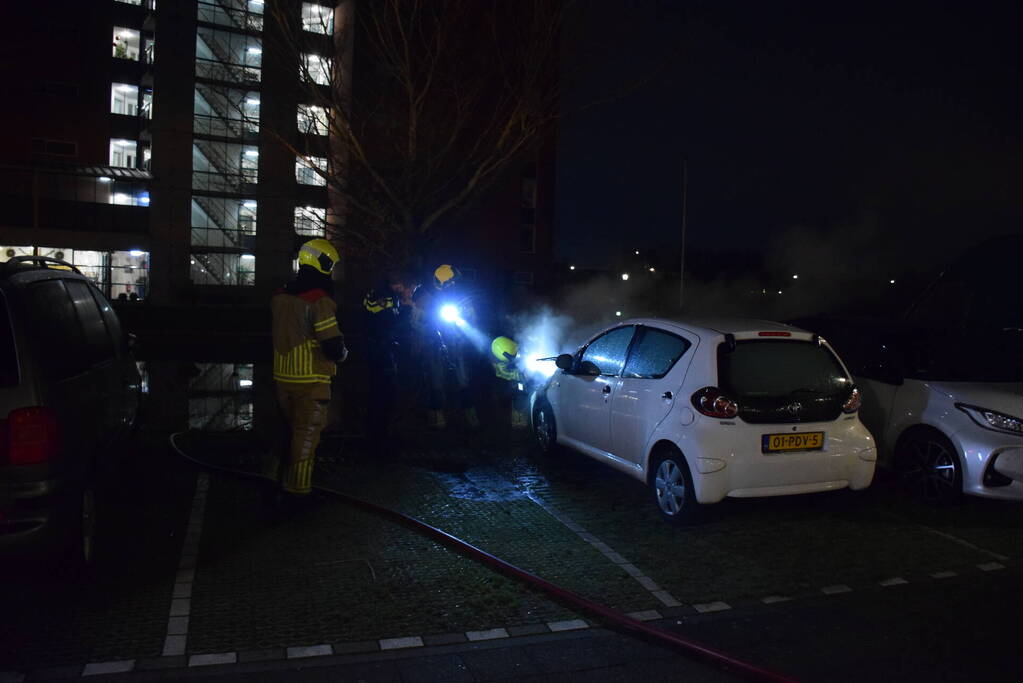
(670, 487)
(931, 471)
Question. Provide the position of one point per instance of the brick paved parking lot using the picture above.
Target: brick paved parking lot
(208, 575)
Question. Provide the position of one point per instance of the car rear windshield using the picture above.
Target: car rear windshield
(8, 353)
(766, 368)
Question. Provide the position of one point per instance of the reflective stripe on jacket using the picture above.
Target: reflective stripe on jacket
(300, 324)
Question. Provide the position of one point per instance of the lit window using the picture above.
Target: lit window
(123, 153)
(232, 270)
(312, 119)
(131, 2)
(124, 99)
(147, 104)
(317, 18)
(315, 68)
(311, 172)
(310, 220)
(126, 43)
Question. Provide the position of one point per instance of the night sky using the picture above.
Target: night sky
(864, 129)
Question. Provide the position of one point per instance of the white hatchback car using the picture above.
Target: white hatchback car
(704, 409)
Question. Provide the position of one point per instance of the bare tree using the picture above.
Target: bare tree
(426, 102)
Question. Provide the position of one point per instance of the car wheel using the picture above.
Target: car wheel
(545, 430)
(929, 468)
(672, 487)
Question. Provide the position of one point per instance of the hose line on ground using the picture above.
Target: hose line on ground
(611, 615)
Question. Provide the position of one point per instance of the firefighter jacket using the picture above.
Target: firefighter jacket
(382, 319)
(306, 339)
(507, 370)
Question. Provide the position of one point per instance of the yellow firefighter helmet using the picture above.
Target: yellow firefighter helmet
(318, 253)
(503, 345)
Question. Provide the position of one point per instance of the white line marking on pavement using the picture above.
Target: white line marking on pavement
(569, 625)
(836, 589)
(648, 584)
(118, 667)
(211, 659)
(771, 599)
(716, 606)
(950, 537)
(894, 581)
(309, 651)
(990, 566)
(176, 640)
(400, 643)
(645, 615)
(490, 634)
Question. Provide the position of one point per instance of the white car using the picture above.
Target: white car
(704, 409)
(947, 410)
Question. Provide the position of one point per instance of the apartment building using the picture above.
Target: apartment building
(155, 150)
(151, 169)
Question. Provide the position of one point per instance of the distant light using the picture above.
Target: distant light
(625, 276)
(137, 252)
(571, 267)
(251, 101)
(121, 198)
(779, 291)
(795, 277)
(651, 270)
(245, 382)
(103, 179)
(248, 256)
(637, 252)
(249, 205)
(255, 51)
(144, 199)
(618, 313)
(251, 153)
(193, 262)
(892, 281)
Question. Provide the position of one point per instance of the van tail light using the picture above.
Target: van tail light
(852, 404)
(29, 436)
(711, 402)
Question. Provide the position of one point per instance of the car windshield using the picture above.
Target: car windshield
(982, 357)
(765, 368)
(8, 353)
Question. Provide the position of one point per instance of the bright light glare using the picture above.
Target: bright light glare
(618, 313)
(892, 281)
(137, 252)
(795, 277)
(571, 267)
(245, 382)
(625, 276)
(449, 313)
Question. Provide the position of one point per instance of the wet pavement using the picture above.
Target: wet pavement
(200, 577)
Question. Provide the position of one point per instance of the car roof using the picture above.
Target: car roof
(718, 325)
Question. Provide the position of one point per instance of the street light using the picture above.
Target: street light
(625, 276)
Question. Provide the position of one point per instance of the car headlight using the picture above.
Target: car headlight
(992, 419)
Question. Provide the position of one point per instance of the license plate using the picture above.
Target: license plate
(800, 441)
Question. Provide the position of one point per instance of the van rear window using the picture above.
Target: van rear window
(775, 368)
(9, 375)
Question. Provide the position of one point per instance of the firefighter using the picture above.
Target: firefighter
(383, 320)
(504, 359)
(440, 308)
(307, 346)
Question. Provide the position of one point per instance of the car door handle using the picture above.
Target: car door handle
(606, 389)
(666, 394)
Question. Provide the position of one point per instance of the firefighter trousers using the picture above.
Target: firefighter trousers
(304, 409)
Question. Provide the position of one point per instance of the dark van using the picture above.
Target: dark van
(69, 397)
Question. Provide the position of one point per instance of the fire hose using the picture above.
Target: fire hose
(705, 652)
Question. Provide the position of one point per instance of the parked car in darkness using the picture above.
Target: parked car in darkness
(943, 385)
(69, 396)
(704, 409)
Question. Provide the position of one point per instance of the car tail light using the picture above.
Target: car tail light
(852, 404)
(29, 436)
(712, 403)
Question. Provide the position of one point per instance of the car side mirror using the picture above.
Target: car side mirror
(564, 361)
(589, 368)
